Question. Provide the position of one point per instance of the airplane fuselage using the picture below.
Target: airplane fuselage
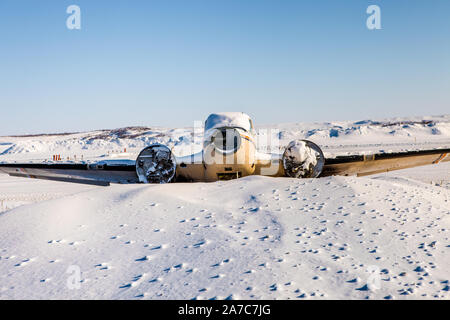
(227, 153)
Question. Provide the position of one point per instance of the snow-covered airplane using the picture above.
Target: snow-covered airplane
(229, 151)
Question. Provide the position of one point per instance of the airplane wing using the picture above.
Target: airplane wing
(105, 172)
(358, 165)
(155, 163)
(363, 165)
(102, 173)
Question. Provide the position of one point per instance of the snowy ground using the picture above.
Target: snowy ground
(379, 237)
(340, 237)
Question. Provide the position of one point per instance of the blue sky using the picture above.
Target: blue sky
(168, 63)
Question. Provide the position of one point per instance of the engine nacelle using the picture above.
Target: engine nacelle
(303, 159)
(156, 164)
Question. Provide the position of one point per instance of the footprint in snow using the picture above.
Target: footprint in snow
(363, 288)
(134, 282)
(23, 263)
(218, 264)
(199, 244)
(192, 270)
(145, 258)
(103, 266)
(56, 241)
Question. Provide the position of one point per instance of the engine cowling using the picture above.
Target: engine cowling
(303, 159)
(156, 164)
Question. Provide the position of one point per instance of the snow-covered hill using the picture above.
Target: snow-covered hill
(336, 138)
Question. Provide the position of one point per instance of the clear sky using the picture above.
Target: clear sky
(168, 63)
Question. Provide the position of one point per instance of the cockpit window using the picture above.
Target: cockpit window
(226, 140)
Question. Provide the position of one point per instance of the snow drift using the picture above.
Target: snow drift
(385, 237)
